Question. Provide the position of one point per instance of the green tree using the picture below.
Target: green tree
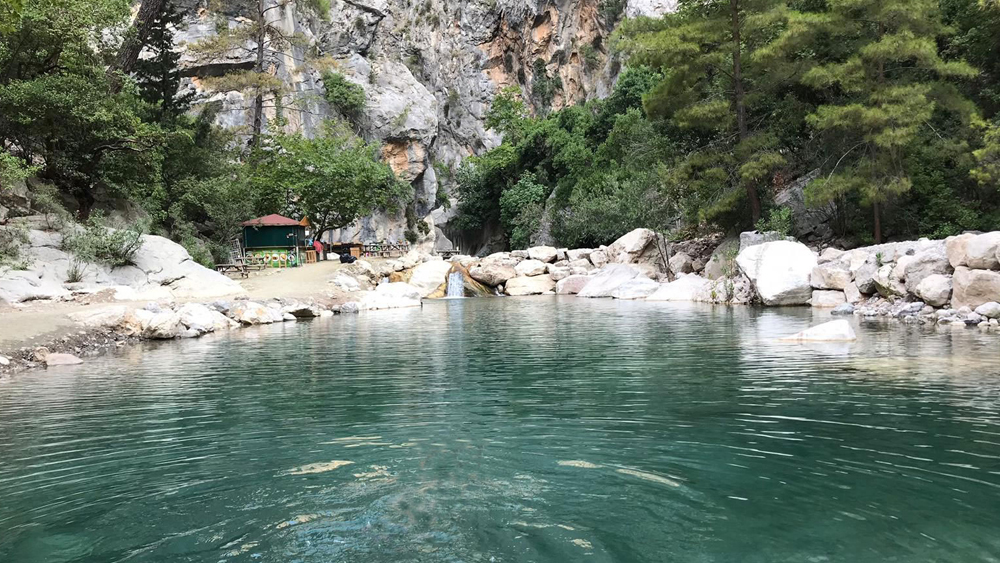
(888, 80)
(335, 178)
(706, 54)
(343, 95)
(264, 39)
(158, 75)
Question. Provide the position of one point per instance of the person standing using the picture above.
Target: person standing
(318, 245)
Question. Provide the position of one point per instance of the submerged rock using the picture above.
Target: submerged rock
(638, 288)
(56, 359)
(684, 288)
(833, 331)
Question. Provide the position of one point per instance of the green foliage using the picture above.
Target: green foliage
(520, 209)
(987, 171)
(322, 7)
(13, 238)
(333, 179)
(343, 95)
(157, 75)
(507, 112)
(543, 86)
(611, 11)
(779, 220)
(96, 242)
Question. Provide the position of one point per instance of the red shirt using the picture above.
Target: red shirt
(318, 246)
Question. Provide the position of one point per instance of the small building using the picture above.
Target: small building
(275, 240)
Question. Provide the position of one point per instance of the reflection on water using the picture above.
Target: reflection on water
(530, 429)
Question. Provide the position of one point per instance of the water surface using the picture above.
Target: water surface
(512, 430)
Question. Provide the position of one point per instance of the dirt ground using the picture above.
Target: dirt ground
(35, 323)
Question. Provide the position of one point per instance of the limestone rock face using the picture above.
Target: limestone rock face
(981, 251)
(827, 299)
(833, 331)
(638, 288)
(530, 268)
(607, 280)
(779, 271)
(530, 285)
(429, 277)
(972, 288)
(684, 288)
(571, 285)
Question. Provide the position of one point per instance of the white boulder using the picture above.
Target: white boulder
(571, 285)
(827, 299)
(605, 281)
(681, 263)
(934, 290)
(598, 258)
(397, 295)
(543, 253)
(955, 247)
(931, 260)
(830, 276)
(780, 271)
(529, 285)
(492, 272)
(639, 288)
(530, 267)
(990, 310)
(972, 288)
(430, 276)
(981, 251)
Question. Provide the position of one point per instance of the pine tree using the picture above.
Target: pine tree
(887, 79)
(159, 76)
(264, 39)
(705, 51)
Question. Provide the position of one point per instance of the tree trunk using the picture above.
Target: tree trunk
(135, 39)
(258, 102)
(878, 222)
(739, 102)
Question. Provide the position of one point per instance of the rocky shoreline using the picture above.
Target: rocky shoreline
(953, 282)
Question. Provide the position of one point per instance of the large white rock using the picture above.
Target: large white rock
(684, 288)
(530, 267)
(578, 254)
(934, 290)
(888, 283)
(931, 260)
(827, 299)
(639, 288)
(830, 276)
(429, 277)
(104, 317)
(571, 285)
(630, 246)
(598, 258)
(163, 325)
(981, 251)
(779, 271)
(681, 263)
(833, 331)
(955, 247)
(250, 313)
(607, 280)
(852, 294)
(990, 309)
(397, 295)
(529, 285)
(972, 288)
(543, 253)
(201, 319)
(492, 272)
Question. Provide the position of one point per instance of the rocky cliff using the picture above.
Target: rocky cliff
(429, 70)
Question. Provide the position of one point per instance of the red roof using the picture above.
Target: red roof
(272, 220)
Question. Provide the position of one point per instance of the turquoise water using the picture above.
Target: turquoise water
(511, 430)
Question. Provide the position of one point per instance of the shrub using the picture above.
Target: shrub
(97, 243)
(343, 95)
(75, 272)
(45, 199)
(778, 220)
(13, 237)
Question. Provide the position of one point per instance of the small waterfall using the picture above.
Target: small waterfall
(456, 285)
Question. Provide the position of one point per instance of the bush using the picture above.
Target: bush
(343, 95)
(97, 243)
(12, 240)
(779, 220)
